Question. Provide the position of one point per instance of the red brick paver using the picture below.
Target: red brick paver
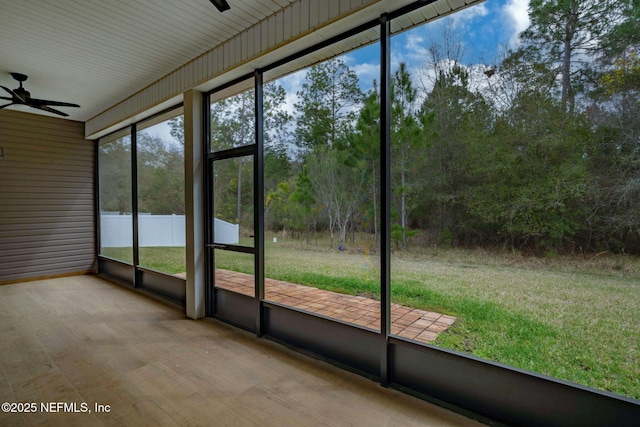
(411, 323)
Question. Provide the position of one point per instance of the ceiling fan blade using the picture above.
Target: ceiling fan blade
(40, 102)
(12, 93)
(6, 105)
(6, 97)
(49, 109)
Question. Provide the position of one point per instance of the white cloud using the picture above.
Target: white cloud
(460, 19)
(416, 47)
(517, 15)
(293, 82)
(413, 50)
(367, 73)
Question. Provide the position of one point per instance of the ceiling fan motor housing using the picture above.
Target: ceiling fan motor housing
(23, 93)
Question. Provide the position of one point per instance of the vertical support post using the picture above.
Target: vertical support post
(134, 205)
(194, 164)
(207, 201)
(258, 194)
(97, 205)
(385, 199)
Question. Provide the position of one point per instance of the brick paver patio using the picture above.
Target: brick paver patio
(411, 323)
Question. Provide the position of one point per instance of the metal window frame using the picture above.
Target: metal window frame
(240, 310)
(114, 268)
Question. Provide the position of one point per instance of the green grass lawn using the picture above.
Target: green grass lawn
(573, 318)
(166, 259)
(582, 327)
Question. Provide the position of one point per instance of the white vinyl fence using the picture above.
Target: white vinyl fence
(116, 231)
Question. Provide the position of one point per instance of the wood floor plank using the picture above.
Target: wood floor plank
(55, 336)
(265, 408)
(7, 395)
(143, 412)
(120, 357)
(23, 366)
(46, 391)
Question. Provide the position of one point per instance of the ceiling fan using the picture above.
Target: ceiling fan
(21, 96)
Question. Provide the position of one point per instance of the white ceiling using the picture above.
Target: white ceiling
(98, 52)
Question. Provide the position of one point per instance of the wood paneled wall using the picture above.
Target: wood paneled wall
(47, 221)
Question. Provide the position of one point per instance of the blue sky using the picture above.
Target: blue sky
(483, 31)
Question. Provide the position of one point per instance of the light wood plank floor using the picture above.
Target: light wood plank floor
(85, 341)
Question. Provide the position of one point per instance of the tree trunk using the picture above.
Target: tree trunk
(403, 211)
(239, 212)
(374, 191)
(569, 35)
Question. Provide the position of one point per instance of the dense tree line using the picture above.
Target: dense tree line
(539, 151)
(160, 174)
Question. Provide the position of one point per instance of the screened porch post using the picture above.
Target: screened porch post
(194, 204)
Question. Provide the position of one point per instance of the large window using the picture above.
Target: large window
(232, 117)
(116, 204)
(322, 194)
(158, 182)
(233, 201)
(161, 210)
(513, 188)
(232, 145)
